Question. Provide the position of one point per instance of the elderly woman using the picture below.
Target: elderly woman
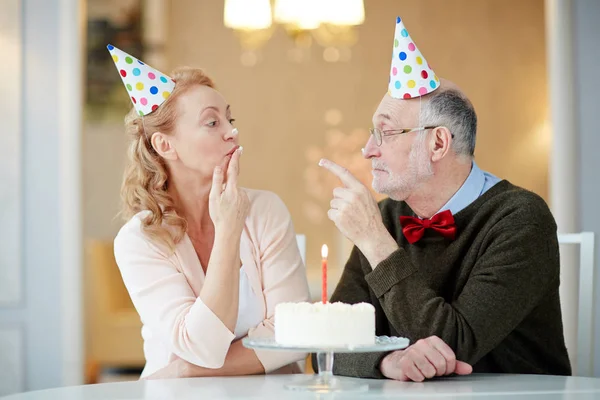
(204, 260)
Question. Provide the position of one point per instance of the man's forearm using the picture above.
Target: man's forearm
(378, 247)
(359, 365)
(503, 286)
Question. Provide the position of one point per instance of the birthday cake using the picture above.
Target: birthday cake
(324, 325)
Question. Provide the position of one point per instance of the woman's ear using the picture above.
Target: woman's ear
(163, 145)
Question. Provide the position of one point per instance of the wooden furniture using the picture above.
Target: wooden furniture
(113, 326)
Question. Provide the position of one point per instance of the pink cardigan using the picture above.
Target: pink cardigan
(164, 288)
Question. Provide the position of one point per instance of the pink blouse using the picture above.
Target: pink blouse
(164, 287)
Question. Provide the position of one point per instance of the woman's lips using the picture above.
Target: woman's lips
(232, 151)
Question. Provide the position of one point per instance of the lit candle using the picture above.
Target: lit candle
(324, 252)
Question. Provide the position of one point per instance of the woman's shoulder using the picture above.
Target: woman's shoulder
(265, 202)
(133, 227)
(267, 210)
(131, 235)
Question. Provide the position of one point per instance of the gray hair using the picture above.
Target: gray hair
(450, 108)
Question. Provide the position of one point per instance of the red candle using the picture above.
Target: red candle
(324, 252)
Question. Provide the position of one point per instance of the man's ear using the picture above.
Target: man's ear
(163, 145)
(441, 143)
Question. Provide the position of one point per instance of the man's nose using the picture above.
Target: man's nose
(371, 149)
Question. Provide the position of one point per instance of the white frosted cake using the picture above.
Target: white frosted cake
(319, 325)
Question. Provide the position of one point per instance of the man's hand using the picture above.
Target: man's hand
(356, 214)
(423, 360)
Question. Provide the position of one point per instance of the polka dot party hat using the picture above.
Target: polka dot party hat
(148, 88)
(410, 74)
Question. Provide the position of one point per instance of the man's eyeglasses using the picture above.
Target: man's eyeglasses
(379, 134)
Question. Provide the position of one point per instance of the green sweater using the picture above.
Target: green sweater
(491, 294)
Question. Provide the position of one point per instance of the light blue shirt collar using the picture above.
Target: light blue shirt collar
(474, 186)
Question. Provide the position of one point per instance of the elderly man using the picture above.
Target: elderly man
(462, 263)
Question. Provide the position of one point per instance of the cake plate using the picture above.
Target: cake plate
(325, 381)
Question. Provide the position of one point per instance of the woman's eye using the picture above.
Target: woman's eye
(212, 123)
(231, 120)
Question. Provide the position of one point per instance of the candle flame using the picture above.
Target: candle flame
(324, 251)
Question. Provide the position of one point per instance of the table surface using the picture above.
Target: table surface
(488, 386)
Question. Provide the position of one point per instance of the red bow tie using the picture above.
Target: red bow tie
(414, 228)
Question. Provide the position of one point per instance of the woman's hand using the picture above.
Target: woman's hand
(239, 361)
(177, 368)
(228, 205)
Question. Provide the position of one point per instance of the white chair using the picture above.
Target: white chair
(585, 301)
(301, 240)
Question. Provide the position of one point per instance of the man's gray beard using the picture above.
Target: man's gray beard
(398, 187)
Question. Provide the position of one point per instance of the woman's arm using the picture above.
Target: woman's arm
(228, 210)
(282, 271)
(166, 303)
(221, 289)
(283, 278)
(239, 361)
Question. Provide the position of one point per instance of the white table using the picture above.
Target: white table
(489, 387)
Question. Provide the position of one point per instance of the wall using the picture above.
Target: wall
(38, 178)
(11, 287)
(493, 49)
(586, 36)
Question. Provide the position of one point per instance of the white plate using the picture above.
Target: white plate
(382, 343)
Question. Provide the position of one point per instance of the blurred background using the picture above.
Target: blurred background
(303, 78)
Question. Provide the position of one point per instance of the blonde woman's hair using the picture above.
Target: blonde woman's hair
(146, 176)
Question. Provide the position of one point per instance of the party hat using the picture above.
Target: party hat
(148, 88)
(410, 74)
